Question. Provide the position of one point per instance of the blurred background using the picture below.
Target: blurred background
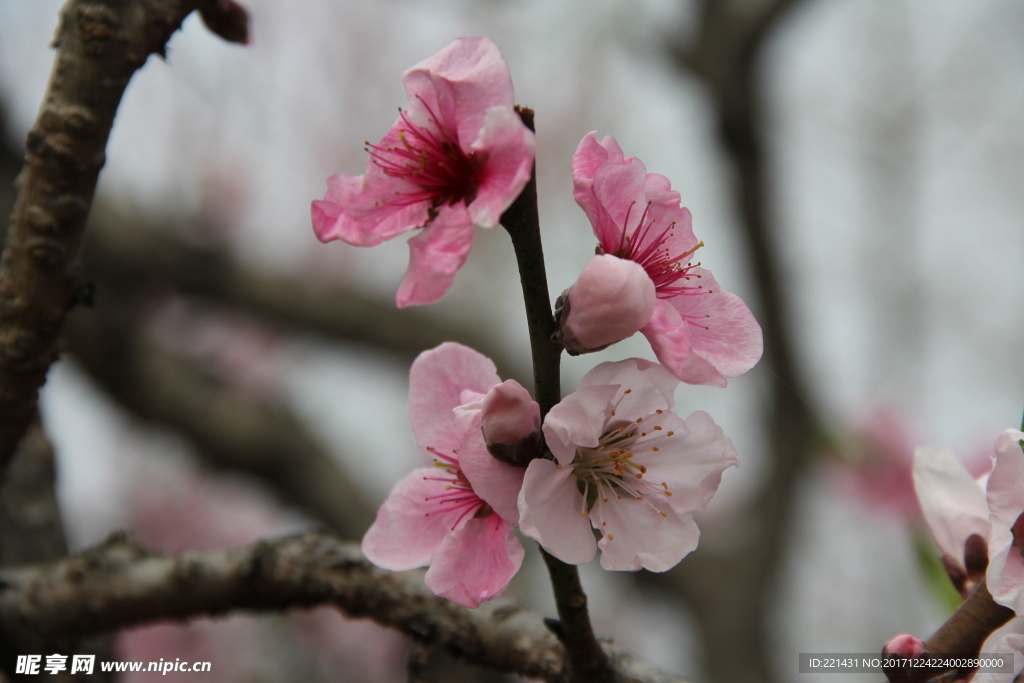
(855, 168)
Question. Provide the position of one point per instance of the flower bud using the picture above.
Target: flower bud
(510, 420)
(612, 299)
(907, 646)
(227, 19)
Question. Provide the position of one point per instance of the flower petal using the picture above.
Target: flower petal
(459, 84)
(1005, 496)
(437, 380)
(506, 146)
(435, 256)
(651, 387)
(362, 211)
(549, 513)
(409, 527)
(1005, 488)
(953, 503)
(690, 462)
(497, 483)
(642, 533)
(726, 335)
(669, 336)
(475, 563)
(590, 154)
(577, 420)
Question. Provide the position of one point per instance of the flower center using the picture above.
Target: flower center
(457, 492)
(429, 157)
(648, 245)
(610, 471)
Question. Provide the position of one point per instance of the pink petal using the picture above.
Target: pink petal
(690, 462)
(669, 336)
(497, 483)
(1005, 498)
(1006, 482)
(361, 210)
(725, 333)
(435, 256)
(1005, 577)
(507, 147)
(590, 154)
(651, 387)
(409, 528)
(618, 203)
(642, 533)
(467, 414)
(953, 503)
(459, 84)
(509, 413)
(577, 420)
(549, 512)
(610, 301)
(475, 563)
(436, 382)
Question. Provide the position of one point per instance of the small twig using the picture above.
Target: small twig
(118, 585)
(100, 44)
(522, 222)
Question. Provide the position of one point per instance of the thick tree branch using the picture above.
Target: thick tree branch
(100, 44)
(228, 429)
(118, 584)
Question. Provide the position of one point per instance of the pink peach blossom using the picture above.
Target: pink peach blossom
(459, 155)
(456, 516)
(702, 333)
(978, 524)
(626, 465)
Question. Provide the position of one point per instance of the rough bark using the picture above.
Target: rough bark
(100, 44)
(119, 584)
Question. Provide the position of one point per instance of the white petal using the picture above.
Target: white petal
(953, 503)
(549, 512)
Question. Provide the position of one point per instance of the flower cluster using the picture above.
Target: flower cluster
(643, 278)
(612, 456)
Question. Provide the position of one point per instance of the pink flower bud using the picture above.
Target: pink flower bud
(509, 413)
(511, 423)
(905, 645)
(612, 299)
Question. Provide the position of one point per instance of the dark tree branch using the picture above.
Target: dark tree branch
(522, 221)
(228, 429)
(118, 584)
(100, 44)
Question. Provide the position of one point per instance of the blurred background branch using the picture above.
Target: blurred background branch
(729, 591)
